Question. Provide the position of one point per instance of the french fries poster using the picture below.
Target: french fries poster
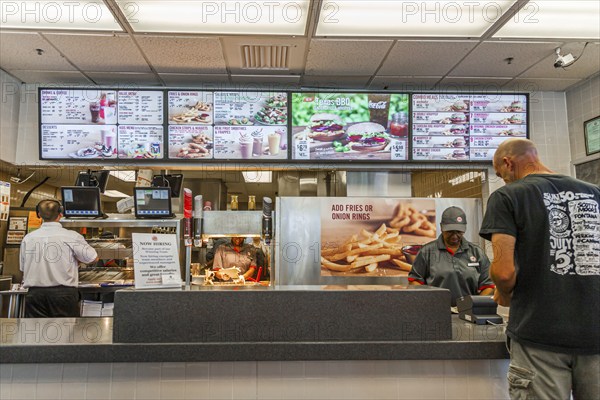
(372, 237)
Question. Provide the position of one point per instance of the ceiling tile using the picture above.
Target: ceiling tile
(177, 54)
(586, 66)
(488, 59)
(126, 80)
(110, 53)
(404, 83)
(540, 85)
(19, 52)
(462, 84)
(51, 77)
(424, 58)
(214, 81)
(345, 57)
(335, 82)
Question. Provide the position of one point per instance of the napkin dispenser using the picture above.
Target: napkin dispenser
(478, 310)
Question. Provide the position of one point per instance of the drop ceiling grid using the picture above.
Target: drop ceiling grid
(424, 58)
(178, 54)
(488, 59)
(18, 53)
(101, 53)
(345, 57)
(582, 68)
(51, 77)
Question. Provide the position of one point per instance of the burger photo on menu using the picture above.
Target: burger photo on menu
(325, 127)
(367, 136)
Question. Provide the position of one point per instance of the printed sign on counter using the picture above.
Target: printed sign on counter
(140, 107)
(141, 141)
(78, 141)
(156, 261)
(74, 106)
(349, 126)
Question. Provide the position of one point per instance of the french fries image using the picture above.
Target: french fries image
(408, 220)
(367, 251)
(195, 113)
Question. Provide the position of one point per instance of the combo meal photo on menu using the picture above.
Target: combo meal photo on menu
(350, 126)
(461, 127)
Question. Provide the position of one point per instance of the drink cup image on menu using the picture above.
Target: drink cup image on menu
(95, 111)
(246, 145)
(275, 142)
(257, 142)
(108, 139)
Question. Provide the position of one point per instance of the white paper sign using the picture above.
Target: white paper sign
(156, 261)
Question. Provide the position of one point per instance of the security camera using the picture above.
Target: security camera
(563, 61)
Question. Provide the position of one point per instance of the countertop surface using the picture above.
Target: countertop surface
(77, 340)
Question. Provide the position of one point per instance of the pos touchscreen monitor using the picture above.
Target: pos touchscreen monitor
(152, 202)
(81, 202)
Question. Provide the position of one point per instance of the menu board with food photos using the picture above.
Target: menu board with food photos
(251, 125)
(349, 126)
(88, 123)
(462, 127)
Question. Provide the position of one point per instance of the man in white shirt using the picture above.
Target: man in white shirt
(49, 259)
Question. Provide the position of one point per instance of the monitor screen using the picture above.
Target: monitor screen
(350, 126)
(465, 127)
(81, 201)
(172, 181)
(97, 179)
(152, 202)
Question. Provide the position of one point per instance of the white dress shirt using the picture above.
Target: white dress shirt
(50, 256)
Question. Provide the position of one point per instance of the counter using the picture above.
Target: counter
(202, 325)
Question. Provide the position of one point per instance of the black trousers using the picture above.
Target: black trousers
(51, 302)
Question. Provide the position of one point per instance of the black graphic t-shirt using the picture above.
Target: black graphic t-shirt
(556, 222)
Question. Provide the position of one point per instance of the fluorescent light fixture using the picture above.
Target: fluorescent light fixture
(441, 18)
(554, 19)
(63, 15)
(258, 176)
(115, 193)
(126, 176)
(217, 17)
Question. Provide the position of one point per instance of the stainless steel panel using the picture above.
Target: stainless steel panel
(381, 184)
(232, 223)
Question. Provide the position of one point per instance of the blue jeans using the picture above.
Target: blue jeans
(541, 374)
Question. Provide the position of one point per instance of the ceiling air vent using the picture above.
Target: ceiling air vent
(265, 57)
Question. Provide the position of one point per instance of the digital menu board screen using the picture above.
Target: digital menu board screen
(228, 125)
(101, 124)
(462, 127)
(349, 126)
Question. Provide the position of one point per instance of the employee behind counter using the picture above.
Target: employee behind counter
(235, 254)
(452, 262)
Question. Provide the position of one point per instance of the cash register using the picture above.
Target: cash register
(478, 310)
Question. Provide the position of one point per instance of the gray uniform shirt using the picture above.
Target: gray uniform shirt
(464, 273)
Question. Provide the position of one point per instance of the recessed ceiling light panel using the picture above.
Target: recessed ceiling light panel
(54, 15)
(217, 17)
(439, 18)
(554, 19)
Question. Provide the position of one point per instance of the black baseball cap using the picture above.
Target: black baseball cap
(454, 219)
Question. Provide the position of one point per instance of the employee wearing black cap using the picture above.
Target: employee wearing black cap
(452, 262)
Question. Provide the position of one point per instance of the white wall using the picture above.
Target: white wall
(583, 103)
(10, 92)
(453, 379)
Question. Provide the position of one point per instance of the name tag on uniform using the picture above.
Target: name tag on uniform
(473, 264)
